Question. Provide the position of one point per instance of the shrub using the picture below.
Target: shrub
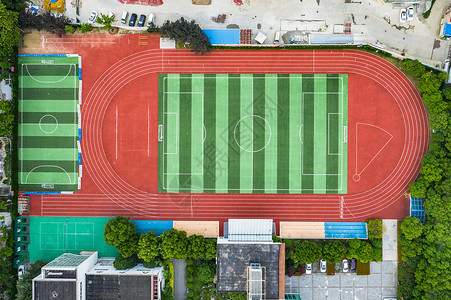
(122, 263)
(189, 269)
(85, 27)
(375, 228)
(206, 273)
(69, 29)
(189, 261)
(149, 264)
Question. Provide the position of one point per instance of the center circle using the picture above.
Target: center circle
(48, 124)
(250, 133)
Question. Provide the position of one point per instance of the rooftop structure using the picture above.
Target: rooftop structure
(71, 276)
(249, 267)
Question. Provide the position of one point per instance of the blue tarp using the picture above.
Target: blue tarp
(331, 38)
(447, 29)
(223, 36)
(156, 226)
(345, 230)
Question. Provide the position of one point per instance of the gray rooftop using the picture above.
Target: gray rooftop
(233, 260)
(67, 260)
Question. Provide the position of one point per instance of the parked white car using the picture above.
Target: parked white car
(92, 19)
(308, 268)
(410, 12)
(323, 265)
(345, 265)
(403, 15)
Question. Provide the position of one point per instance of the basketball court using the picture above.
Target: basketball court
(48, 122)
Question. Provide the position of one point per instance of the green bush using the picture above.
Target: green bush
(167, 293)
(122, 263)
(189, 285)
(375, 228)
(206, 272)
(85, 27)
(189, 277)
(69, 29)
(237, 296)
(149, 264)
(189, 261)
(189, 269)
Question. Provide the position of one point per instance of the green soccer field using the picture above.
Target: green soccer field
(253, 133)
(48, 123)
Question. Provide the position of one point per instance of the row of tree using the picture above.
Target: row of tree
(426, 248)
(9, 39)
(55, 24)
(172, 244)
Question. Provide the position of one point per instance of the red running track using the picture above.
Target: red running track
(388, 134)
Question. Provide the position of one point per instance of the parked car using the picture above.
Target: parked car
(20, 271)
(308, 268)
(323, 265)
(133, 18)
(93, 17)
(353, 265)
(151, 20)
(410, 13)
(124, 17)
(345, 265)
(403, 15)
(142, 20)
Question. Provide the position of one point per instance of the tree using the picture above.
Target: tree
(334, 251)
(411, 228)
(418, 188)
(375, 229)
(106, 21)
(55, 24)
(306, 252)
(439, 121)
(206, 272)
(24, 284)
(447, 93)
(210, 249)
(190, 32)
(431, 170)
(365, 252)
(430, 82)
(85, 27)
(174, 244)
(121, 233)
(237, 296)
(9, 37)
(122, 263)
(196, 246)
(149, 246)
(414, 66)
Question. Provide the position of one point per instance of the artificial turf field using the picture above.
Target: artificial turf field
(48, 123)
(252, 133)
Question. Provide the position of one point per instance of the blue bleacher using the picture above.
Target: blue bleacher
(345, 230)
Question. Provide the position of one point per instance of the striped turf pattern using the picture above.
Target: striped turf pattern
(48, 123)
(253, 133)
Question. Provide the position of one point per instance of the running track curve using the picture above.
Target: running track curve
(119, 197)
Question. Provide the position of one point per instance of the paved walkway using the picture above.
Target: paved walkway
(390, 240)
(179, 279)
(380, 283)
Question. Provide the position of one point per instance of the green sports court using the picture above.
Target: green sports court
(48, 123)
(53, 236)
(253, 133)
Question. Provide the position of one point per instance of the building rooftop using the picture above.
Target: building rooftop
(105, 267)
(233, 260)
(67, 260)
